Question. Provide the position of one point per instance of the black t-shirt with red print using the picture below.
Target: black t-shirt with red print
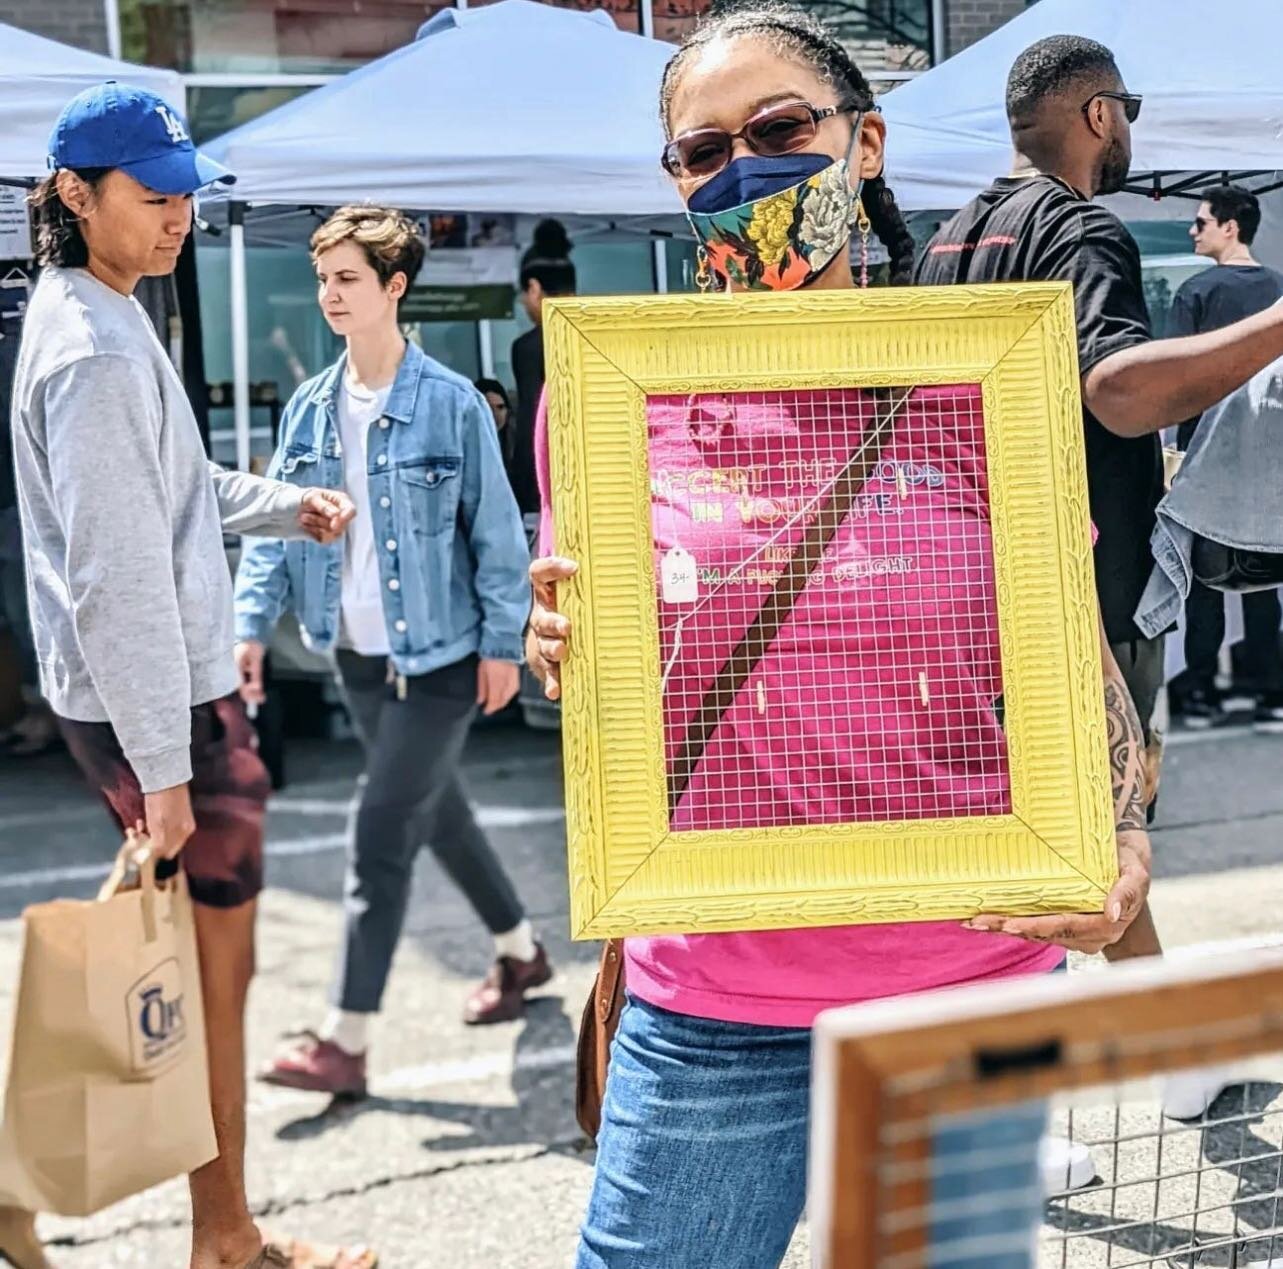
(1038, 229)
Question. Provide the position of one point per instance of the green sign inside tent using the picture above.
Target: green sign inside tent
(458, 303)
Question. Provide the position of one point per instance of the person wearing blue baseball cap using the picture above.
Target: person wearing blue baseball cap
(136, 132)
(123, 517)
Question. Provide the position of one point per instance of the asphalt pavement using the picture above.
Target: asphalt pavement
(467, 1154)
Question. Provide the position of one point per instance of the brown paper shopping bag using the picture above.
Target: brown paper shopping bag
(108, 1088)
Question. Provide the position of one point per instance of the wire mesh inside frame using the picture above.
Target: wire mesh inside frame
(1108, 1178)
(827, 614)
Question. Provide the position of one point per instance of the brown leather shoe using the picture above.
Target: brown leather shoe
(501, 998)
(317, 1066)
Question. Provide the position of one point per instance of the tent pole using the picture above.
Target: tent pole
(648, 18)
(111, 16)
(659, 262)
(240, 335)
(485, 346)
(939, 32)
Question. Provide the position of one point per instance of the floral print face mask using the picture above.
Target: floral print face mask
(791, 219)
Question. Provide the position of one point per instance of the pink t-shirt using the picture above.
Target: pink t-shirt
(875, 701)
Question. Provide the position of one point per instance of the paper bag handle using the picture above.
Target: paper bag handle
(135, 853)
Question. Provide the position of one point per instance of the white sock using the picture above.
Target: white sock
(518, 942)
(350, 1031)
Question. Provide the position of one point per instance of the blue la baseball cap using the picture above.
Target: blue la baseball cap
(118, 126)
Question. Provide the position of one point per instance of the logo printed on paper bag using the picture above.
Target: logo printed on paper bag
(157, 1024)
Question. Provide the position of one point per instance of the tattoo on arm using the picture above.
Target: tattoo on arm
(1126, 757)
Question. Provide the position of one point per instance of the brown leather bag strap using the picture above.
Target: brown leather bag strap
(779, 603)
(596, 1031)
(609, 974)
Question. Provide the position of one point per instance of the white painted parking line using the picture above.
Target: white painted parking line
(491, 817)
(488, 816)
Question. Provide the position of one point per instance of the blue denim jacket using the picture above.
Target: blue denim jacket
(455, 569)
(1228, 489)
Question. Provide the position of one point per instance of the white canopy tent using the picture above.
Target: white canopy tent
(1213, 94)
(511, 107)
(38, 77)
(523, 107)
(514, 107)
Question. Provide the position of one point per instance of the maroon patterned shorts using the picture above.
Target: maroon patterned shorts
(223, 859)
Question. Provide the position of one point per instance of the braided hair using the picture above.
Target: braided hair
(806, 37)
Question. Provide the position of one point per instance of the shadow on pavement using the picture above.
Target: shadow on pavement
(542, 1085)
(1253, 1165)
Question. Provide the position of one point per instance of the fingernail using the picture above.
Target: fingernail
(1115, 911)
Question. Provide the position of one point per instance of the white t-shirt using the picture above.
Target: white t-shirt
(363, 628)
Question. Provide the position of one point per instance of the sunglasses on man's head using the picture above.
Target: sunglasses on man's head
(1131, 103)
(780, 129)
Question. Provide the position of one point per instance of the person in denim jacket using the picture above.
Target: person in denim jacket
(424, 604)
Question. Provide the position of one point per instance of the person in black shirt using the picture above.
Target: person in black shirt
(546, 269)
(1071, 116)
(1070, 119)
(1223, 230)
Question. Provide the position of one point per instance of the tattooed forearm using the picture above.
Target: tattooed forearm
(1126, 756)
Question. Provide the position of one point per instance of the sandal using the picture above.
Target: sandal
(289, 1253)
(19, 1245)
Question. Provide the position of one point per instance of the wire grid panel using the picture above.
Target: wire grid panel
(874, 691)
(964, 1160)
(1168, 1193)
(835, 655)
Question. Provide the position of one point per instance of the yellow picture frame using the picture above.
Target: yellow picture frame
(629, 873)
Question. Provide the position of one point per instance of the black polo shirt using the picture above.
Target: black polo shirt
(1040, 230)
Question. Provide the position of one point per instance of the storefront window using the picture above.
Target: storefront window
(886, 34)
(627, 13)
(213, 111)
(288, 339)
(674, 19)
(268, 36)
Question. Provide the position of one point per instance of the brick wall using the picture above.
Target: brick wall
(79, 22)
(971, 20)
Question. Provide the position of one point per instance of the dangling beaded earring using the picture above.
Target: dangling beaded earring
(864, 226)
(704, 272)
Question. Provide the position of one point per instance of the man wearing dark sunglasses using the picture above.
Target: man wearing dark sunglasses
(1071, 116)
(1223, 230)
(1071, 122)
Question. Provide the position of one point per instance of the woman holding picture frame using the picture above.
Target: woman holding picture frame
(776, 149)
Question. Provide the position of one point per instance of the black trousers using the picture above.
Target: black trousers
(1205, 632)
(412, 794)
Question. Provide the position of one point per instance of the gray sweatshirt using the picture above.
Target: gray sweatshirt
(122, 520)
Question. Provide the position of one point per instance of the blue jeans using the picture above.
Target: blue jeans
(702, 1156)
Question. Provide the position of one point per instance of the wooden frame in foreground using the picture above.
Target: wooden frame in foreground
(629, 872)
(884, 1071)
